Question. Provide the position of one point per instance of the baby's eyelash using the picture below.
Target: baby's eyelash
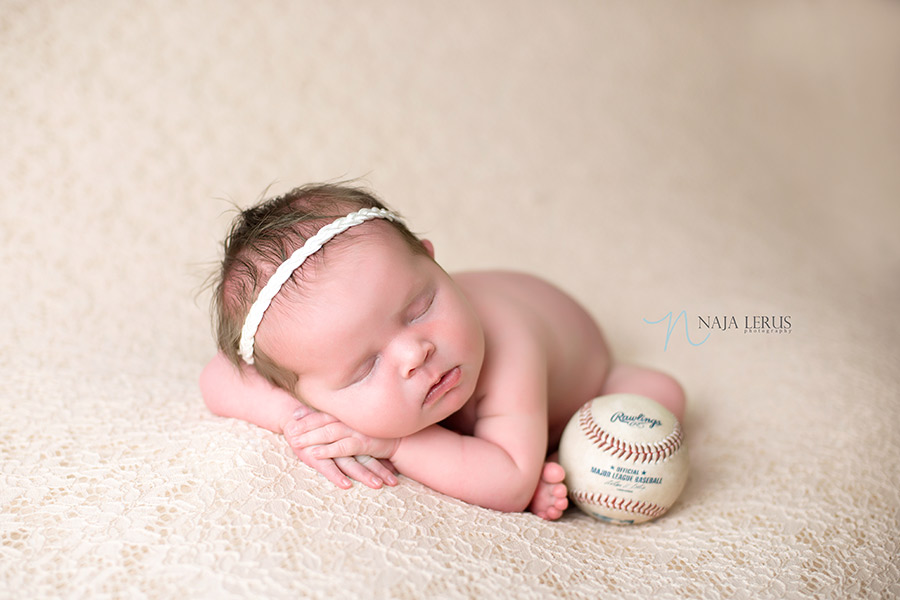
(364, 371)
(427, 307)
(364, 374)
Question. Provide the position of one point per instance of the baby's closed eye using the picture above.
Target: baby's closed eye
(360, 373)
(421, 305)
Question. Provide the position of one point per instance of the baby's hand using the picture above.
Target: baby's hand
(327, 437)
(370, 471)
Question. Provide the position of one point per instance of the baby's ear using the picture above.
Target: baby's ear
(429, 247)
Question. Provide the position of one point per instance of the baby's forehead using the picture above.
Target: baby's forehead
(358, 239)
(352, 285)
(372, 244)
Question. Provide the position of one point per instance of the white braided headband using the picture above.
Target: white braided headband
(287, 268)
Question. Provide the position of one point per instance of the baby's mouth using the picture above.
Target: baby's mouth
(446, 383)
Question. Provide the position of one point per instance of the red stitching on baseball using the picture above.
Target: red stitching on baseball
(639, 453)
(648, 509)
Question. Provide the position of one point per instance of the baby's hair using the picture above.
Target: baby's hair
(264, 236)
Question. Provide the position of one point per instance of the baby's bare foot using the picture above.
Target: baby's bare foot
(549, 499)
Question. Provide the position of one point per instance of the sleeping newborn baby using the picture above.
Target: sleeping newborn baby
(337, 327)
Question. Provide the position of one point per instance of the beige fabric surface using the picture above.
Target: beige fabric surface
(721, 159)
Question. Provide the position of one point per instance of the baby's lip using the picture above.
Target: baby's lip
(446, 382)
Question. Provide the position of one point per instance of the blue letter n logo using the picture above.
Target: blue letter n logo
(671, 326)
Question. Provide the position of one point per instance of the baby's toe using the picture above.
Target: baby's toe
(561, 503)
(553, 473)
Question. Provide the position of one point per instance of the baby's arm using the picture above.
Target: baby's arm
(492, 469)
(228, 392)
(248, 396)
(498, 467)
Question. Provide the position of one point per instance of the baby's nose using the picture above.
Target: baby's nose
(417, 355)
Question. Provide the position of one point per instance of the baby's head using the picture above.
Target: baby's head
(363, 322)
(263, 237)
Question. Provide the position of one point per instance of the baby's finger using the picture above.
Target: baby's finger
(313, 421)
(379, 469)
(301, 433)
(387, 464)
(342, 447)
(326, 467)
(333, 473)
(302, 411)
(360, 472)
(328, 434)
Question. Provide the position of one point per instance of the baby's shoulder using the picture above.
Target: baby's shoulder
(501, 285)
(509, 290)
(511, 304)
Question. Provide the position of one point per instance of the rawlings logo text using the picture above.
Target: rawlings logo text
(639, 421)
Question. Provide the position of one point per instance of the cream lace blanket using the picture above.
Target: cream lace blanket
(721, 160)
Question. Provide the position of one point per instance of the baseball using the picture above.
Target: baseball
(624, 457)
